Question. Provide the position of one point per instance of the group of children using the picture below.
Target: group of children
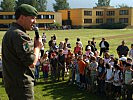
(105, 75)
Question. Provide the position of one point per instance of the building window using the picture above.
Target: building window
(110, 20)
(110, 13)
(68, 14)
(41, 25)
(87, 13)
(1, 16)
(4, 25)
(99, 20)
(5, 17)
(123, 20)
(9, 16)
(123, 12)
(52, 16)
(87, 20)
(44, 16)
(47, 16)
(39, 16)
(13, 16)
(99, 13)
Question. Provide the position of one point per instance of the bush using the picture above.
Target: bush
(55, 26)
(112, 26)
(102, 26)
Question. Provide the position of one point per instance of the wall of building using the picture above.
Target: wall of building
(58, 18)
(100, 15)
(78, 16)
(44, 19)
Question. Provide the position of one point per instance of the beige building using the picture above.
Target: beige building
(97, 15)
(44, 19)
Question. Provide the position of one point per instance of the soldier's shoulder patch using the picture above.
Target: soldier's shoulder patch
(25, 46)
(28, 46)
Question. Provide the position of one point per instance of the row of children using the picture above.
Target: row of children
(105, 76)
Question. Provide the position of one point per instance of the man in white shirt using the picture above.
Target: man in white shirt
(104, 46)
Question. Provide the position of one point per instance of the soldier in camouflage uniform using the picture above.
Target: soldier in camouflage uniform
(20, 54)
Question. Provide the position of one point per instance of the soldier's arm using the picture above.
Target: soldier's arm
(38, 44)
(36, 53)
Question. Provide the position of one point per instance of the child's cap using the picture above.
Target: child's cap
(89, 48)
(91, 54)
(56, 47)
(87, 61)
(129, 58)
(123, 58)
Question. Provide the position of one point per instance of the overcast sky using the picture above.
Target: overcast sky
(89, 3)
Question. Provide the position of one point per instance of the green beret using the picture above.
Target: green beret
(27, 10)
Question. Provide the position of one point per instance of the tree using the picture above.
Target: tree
(40, 5)
(60, 5)
(19, 2)
(103, 3)
(123, 5)
(8, 5)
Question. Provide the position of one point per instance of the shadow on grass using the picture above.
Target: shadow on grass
(63, 91)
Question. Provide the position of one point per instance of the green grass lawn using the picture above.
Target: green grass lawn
(60, 90)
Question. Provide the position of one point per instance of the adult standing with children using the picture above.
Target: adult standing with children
(122, 49)
(20, 55)
(104, 46)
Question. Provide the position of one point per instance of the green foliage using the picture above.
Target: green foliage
(103, 26)
(123, 6)
(8, 5)
(112, 26)
(40, 5)
(103, 3)
(19, 2)
(55, 25)
(60, 5)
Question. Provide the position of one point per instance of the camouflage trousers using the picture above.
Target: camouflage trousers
(20, 93)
